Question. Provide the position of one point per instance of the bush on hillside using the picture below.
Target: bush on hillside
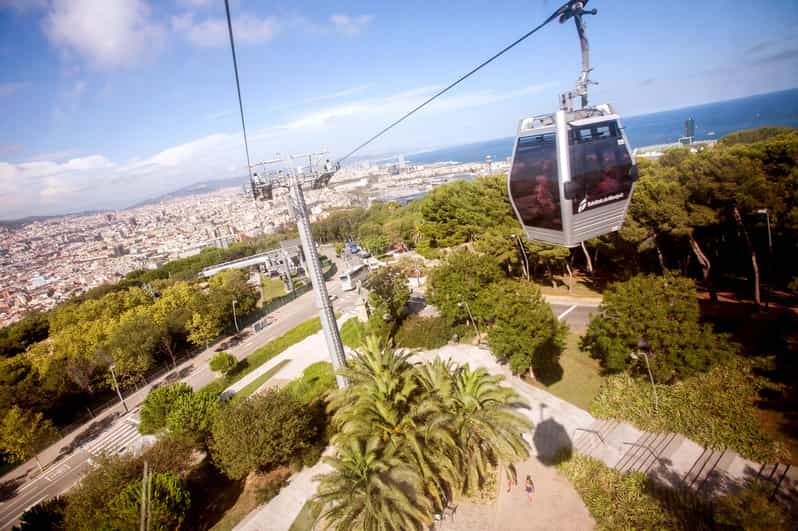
(424, 332)
(261, 432)
(223, 362)
(158, 404)
(715, 409)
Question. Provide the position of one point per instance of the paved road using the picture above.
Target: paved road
(114, 431)
(576, 315)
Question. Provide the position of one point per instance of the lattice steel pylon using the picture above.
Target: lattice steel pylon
(293, 180)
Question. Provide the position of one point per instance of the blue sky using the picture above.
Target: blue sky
(108, 102)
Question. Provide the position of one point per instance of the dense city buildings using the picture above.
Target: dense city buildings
(48, 261)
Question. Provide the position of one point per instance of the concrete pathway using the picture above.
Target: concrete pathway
(670, 458)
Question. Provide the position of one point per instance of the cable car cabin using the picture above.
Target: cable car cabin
(572, 175)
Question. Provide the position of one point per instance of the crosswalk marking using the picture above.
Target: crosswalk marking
(115, 440)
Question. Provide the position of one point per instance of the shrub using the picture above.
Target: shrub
(223, 362)
(616, 500)
(158, 404)
(714, 410)
(193, 414)
(424, 332)
(634, 501)
(260, 432)
(663, 313)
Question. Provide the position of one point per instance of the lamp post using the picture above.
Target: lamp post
(523, 254)
(116, 386)
(470, 316)
(235, 321)
(766, 212)
(643, 345)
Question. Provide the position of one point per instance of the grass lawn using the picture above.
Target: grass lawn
(266, 352)
(306, 517)
(352, 333)
(272, 288)
(257, 382)
(581, 377)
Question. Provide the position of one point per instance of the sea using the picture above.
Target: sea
(712, 121)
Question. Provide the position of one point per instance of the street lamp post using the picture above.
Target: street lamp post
(470, 316)
(643, 345)
(116, 386)
(235, 320)
(766, 212)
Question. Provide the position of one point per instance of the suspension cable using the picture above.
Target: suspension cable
(238, 85)
(563, 13)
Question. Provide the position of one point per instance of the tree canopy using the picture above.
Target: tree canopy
(658, 316)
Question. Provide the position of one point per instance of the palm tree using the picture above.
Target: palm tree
(386, 400)
(488, 427)
(371, 488)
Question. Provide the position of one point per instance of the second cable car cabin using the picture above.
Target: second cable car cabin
(572, 175)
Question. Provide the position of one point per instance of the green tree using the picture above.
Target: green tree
(376, 244)
(371, 489)
(159, 404)
(223, 362)
(23, 433)
(525, 332)
(388, 290)
(87, 502)
(168, 507)
(488, 426)
(47, 515)
(463, 278)
(260, 432)
(132, 344)
(660, 316)
(193, 414)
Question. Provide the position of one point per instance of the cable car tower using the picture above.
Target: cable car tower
(572, 171)
(292, 179)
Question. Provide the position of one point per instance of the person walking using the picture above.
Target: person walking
(529, 487)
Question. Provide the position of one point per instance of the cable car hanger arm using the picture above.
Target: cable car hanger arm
(571, 9)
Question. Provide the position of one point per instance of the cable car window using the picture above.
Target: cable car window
(601, 167)
(533, 182)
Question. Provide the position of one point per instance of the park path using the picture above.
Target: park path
(669, 458)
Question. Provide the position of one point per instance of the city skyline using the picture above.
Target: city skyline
(108, 104)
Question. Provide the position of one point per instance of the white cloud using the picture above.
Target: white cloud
(248, 29)
(394, 105)
(91, 182)
(350, 25)
(7, 89)
(107, 34)
(340, 94)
